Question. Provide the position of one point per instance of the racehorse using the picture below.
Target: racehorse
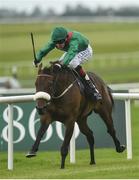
(59, 98)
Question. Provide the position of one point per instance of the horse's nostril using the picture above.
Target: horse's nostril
(40, 110)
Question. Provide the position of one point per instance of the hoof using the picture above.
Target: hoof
(30, 154)
(62, 167)
(121, 148)
(93, 163)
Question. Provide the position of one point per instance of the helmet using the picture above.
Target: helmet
(58, 34)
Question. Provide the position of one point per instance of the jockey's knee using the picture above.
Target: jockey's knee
(80, 71)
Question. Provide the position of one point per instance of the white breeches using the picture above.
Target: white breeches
(80, 58)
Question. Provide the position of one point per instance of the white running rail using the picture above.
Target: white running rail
(26, 98)
(10, 100)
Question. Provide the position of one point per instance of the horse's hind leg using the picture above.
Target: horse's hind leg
(82, 123)
(107, 117)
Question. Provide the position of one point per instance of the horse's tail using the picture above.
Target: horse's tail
(110, 94)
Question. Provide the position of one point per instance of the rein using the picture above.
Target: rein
(64, 92)
(46, 75)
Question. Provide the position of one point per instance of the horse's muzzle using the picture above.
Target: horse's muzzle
(41, 110)
(46, 97)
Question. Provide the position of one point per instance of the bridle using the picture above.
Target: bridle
(40, 110)
(65, 90)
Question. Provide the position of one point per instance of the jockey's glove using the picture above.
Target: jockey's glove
(35, 63)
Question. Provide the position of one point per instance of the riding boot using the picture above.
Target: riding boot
(92, 88)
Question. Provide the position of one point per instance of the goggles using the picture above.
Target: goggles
(60, 41)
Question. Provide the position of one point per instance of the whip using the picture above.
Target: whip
(33, 45)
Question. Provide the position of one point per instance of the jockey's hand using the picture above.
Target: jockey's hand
(35, 63)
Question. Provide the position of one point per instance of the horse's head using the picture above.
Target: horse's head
(43, 88)
(50, 82)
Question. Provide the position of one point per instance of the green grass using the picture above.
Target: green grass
(109, 164)
(106, 39)
(47, 165)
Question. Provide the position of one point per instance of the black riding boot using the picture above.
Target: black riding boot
(96, 95)
(90, 88)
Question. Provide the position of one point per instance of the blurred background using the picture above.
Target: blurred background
(111, 26)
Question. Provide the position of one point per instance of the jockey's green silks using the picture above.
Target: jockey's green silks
(77, 43)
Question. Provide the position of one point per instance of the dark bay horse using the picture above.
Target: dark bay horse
(58, 98)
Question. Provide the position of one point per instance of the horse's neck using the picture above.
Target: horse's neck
(62, 81)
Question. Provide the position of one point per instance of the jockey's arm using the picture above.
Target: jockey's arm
(71, 53)
(45, 50)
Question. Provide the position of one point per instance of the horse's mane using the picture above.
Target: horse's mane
(47, 70)
(65, 70)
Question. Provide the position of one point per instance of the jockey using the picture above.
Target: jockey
(77, 51)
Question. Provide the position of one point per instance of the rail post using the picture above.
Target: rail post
(10, 137)
(72, 147)
(128, 128)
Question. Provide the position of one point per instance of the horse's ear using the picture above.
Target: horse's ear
(54, 62)
(40, 68)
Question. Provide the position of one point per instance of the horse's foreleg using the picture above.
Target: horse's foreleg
(82, 123)
(43, 128)
(65, 145)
